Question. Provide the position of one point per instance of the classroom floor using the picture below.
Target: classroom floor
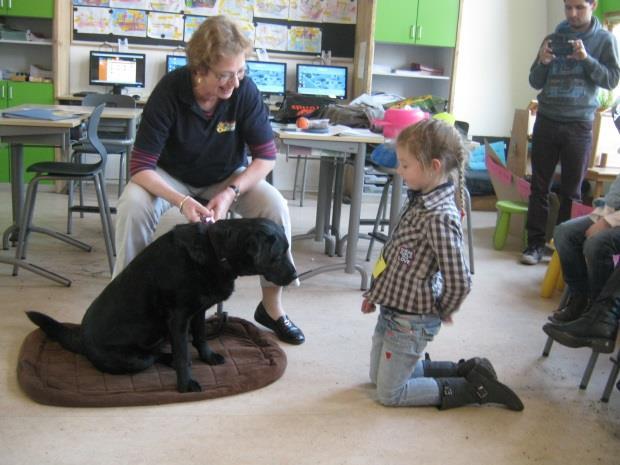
(322, 411)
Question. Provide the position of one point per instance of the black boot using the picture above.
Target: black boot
(598, 328)
(576, 306)
(457, 370)
(476, 389)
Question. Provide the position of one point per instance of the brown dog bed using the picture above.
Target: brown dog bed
(52, 375)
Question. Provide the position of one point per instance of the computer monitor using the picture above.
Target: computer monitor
(269, 76)
(175, 61)
(116, 69)
(322, 80)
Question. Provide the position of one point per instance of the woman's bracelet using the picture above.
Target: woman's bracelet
(182, 202)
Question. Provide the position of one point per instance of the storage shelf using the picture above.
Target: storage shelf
(409, 76)
(27, 42)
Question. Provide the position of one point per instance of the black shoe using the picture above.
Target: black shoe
(577, 305)
(284, 328)
(598, 329)
(532, 255)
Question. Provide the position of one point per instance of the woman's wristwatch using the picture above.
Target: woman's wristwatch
(235, 189)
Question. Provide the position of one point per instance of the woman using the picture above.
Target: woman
(191, 144)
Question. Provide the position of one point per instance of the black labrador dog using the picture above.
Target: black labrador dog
(166, 290)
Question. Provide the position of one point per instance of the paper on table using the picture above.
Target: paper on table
(40, 113)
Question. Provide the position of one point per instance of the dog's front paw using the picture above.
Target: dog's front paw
(191, 386)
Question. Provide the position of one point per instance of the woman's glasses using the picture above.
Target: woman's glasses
(227, 76)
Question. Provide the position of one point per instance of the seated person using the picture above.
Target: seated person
(586, 246)
(191, 144)
(598, 327)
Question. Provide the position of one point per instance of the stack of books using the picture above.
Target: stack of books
(426, 69)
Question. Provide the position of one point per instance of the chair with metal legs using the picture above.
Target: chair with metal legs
(70, 171)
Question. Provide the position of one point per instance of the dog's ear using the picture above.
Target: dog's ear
(192, 238)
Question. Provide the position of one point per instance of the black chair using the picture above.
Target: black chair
(113, 135)
(70, 171)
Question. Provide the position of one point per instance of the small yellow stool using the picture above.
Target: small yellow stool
(505, 209)
(553, 277)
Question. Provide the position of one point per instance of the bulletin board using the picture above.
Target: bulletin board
(304, 27)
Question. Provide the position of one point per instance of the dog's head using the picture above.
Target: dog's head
(248, 246)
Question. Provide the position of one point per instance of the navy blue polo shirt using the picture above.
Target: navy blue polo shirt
(196, 149)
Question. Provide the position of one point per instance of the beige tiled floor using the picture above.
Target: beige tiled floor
(322, 410)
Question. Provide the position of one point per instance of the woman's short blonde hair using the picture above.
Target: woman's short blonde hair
(216, 38)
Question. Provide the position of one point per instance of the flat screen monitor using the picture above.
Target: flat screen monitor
(322, 80)
(116, 69)
(175, 61)
(269, 76)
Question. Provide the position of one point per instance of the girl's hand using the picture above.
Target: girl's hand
(447, 319)
(367, 306)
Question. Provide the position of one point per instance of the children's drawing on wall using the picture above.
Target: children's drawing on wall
(340, 11)
(89, 20)
(136, 4)
(248, 30)
(277, 9)
(238, 9)
(172, 6)
(191, 24)
(128, 23)
(304, 39)
(165, 26)
(202, 7)
(271, 36)
(91, 2)
(306, 10)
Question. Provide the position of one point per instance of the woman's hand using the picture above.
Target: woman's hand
(367, 306)
(194, 211)
(221, 203)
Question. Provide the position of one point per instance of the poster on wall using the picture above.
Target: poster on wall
(129, 23)
(91, 20)
(271, 36)
(277, 9)
(306, 10)
(202, 7)
(304, 39)
(191, 24)
(340, 11)
(91, 2)
(133, 4)
(238, 9)
(165, 26)
(172, 6)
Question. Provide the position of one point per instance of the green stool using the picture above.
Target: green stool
(505, 208)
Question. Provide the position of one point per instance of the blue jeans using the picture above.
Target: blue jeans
(586, 263)
(552, 142)
(395, 366)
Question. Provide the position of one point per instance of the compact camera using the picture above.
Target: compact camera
(561, 46)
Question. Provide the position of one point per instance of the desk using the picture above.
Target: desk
(350, 144)
(18, 132)
(599, 175)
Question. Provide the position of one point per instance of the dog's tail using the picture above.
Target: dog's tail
(67, 337)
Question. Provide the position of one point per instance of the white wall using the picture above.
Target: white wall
(498, 41)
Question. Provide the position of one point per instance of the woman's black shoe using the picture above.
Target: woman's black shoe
(284, 328)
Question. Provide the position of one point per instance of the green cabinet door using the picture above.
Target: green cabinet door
(437, 22)
(395, 21)
(20, 93)
(28, 8)
(417, 22)
(4, 150)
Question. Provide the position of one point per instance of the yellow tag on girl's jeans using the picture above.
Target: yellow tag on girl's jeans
(380, 267)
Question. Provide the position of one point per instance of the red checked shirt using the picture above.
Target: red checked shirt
(426, 270)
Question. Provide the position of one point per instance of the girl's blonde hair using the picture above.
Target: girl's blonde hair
(216, 38)
(434, 138)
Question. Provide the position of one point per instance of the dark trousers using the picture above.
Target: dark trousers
(552, 142)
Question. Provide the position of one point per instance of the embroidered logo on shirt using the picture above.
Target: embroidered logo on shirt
(226, 126)
(405, 256)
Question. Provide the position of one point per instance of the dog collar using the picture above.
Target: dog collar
(223, 261)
